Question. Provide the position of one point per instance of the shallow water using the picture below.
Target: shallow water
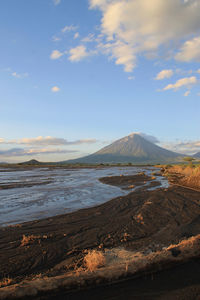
(68, 191)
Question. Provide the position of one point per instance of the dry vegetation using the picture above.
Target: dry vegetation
(29, 239)
(93, 260)
(187, 175)
(5, 282)
(26, 240)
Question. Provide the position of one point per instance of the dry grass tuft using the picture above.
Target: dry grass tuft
(139, 219)
(131, 186)
(93, 260)
(5, 281)
(26, 240)
(189, 243)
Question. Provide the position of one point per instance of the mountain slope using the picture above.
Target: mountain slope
(133, 148)
(197, 155)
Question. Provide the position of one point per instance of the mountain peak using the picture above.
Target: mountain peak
(133, 134)
(134, 148)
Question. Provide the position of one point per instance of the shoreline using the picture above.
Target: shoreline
(44, 193)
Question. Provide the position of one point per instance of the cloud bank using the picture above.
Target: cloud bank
(133, 27)
(31, 152)
(47, 141)
(188, 147)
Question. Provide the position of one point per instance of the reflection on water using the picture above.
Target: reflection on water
(68, 191)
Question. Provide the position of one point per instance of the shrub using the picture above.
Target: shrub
(93, 260)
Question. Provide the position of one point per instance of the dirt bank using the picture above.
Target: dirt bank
(178, 283)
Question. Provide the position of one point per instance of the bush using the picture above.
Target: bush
(93, 260)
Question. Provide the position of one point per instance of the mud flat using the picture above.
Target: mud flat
(146, 227)
(132, 181)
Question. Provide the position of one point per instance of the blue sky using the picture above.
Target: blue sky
(78, 74)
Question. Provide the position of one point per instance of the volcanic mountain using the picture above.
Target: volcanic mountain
(132, 148)
(197, 155)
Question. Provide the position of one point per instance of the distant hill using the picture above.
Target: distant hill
(134, 149)
(197, 155)
(31, 162)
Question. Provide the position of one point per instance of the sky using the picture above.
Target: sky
(76, 75)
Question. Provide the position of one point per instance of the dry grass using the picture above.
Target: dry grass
(139, 219)
(5, 281)
(189, 243)
(131, 186)
(188, 175)
(185, 170)
(93, 260)
(26, 240)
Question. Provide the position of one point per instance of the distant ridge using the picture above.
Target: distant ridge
(31, 162)
(197, 155)
(131, 149)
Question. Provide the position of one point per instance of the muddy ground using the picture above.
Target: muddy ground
(140, 220)
(132, 181)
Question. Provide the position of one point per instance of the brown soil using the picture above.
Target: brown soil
(131, 181)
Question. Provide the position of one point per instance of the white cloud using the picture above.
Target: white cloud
(198, 71)
(69, 28)
(56, 38)
(76, 35)
(164, 74)
(18, 75)
(56, 54)
(147, 137)
(142, 27)
(131, 78)
(2, 140)
(88, 39)
(55, 89)
(47, 141)
(56, 2)
(30, 152)
(186, 93)
(187, 147)
(189, 51)
(78, 53)
(187, 81)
